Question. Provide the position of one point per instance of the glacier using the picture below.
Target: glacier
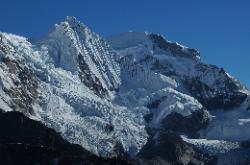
(64, 102)
(97, 92)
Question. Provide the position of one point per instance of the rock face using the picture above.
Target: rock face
(90, 80)
(115, 100)
(190, 125)
(26, 84)
(174, 48)
(166, 147)
(226, 99)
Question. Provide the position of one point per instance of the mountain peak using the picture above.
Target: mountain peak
(74, 22)
(71, 18)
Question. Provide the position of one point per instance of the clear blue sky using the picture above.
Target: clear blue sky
(219, 29)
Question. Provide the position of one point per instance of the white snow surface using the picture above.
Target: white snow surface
(64, 102)
(213, 147)
(98, 124)
(127, 39)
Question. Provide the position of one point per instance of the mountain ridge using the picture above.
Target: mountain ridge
(104, 93)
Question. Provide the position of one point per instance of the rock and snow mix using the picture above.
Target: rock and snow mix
(144, 59)
(98, 97)
(64, 102)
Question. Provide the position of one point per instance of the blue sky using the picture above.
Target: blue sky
(219, 29)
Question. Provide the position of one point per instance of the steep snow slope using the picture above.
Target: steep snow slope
(75, 76)
(73, 47)
(139, 79)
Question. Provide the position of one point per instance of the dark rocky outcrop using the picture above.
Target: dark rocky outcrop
(89, 79)
(25, 141)
(188, 124)
(227, 98)
(166, 147)
(156, 103)
(174, 48)
(25, 92)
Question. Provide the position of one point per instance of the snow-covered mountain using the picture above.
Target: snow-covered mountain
(183, 93)
(67, 81)
(124, 95)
